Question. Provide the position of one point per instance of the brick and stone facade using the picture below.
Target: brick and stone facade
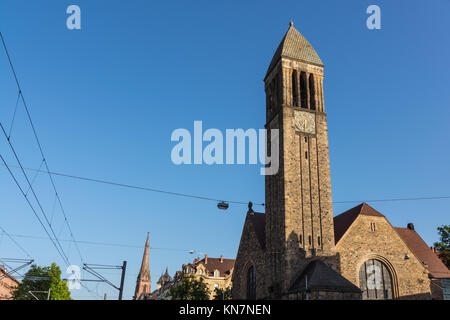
(7, 284)
(297, 235)
(215, 273)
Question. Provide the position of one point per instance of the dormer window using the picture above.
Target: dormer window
(200, 271)
(216, 273)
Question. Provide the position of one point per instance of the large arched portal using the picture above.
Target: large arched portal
(375, 280)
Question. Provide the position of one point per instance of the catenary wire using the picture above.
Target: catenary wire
(39, 145)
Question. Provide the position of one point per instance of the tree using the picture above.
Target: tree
(52, 280)
(222, 294)
(443, 247)
(190, 289)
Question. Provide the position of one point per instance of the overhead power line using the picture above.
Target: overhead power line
(62, 254)
(15, 242)
(20, 94)
(30, 187)
(395, 199)
(72, 176)
(124, 185)
(108, 244)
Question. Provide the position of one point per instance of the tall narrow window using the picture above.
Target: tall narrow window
(272, 102)
(294, 89)
(269, 97)
(312, 92)
(303, 93)
(251, 283)
(274, 92)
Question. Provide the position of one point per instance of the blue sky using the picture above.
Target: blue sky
(105, 100)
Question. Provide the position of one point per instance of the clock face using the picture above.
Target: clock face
(305, 121)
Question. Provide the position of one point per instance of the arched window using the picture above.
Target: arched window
(312, 92)
(294, 88)
(251, 283)
(375, 280)
(200, 271)
(303, 93)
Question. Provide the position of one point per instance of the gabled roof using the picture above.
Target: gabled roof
(319, 276)
(295, 46)
(343, 221)
(423, 253)
(214, 264)
(258, 221)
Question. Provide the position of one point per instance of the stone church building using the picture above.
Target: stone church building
(143, 281)
(296, 249)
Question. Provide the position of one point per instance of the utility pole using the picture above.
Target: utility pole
(91, 268)
(34, 296)
(122, 280)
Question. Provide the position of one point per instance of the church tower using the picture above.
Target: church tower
(143, 279)
(299, 217)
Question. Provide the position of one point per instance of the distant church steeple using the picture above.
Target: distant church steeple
(143, 279)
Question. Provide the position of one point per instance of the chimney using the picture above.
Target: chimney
(221, 259)
(410, 226)
(433, 249)
(206, 259)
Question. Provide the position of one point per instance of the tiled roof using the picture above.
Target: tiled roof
(423, 253)
(214, 264)
(319, 276)
(295, 46)
(343, 221)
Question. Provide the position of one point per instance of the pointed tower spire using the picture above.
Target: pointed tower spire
(143, 278)
(295, 46)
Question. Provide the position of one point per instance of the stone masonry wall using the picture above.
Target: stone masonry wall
(360, 243)
(249, 253)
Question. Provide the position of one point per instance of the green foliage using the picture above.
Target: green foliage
(190, 289)
(58, 288)
(443, 246)
(222, 294)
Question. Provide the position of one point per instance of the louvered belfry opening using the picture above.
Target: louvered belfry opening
(303, 92)
(294, 88)
(312, 93)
